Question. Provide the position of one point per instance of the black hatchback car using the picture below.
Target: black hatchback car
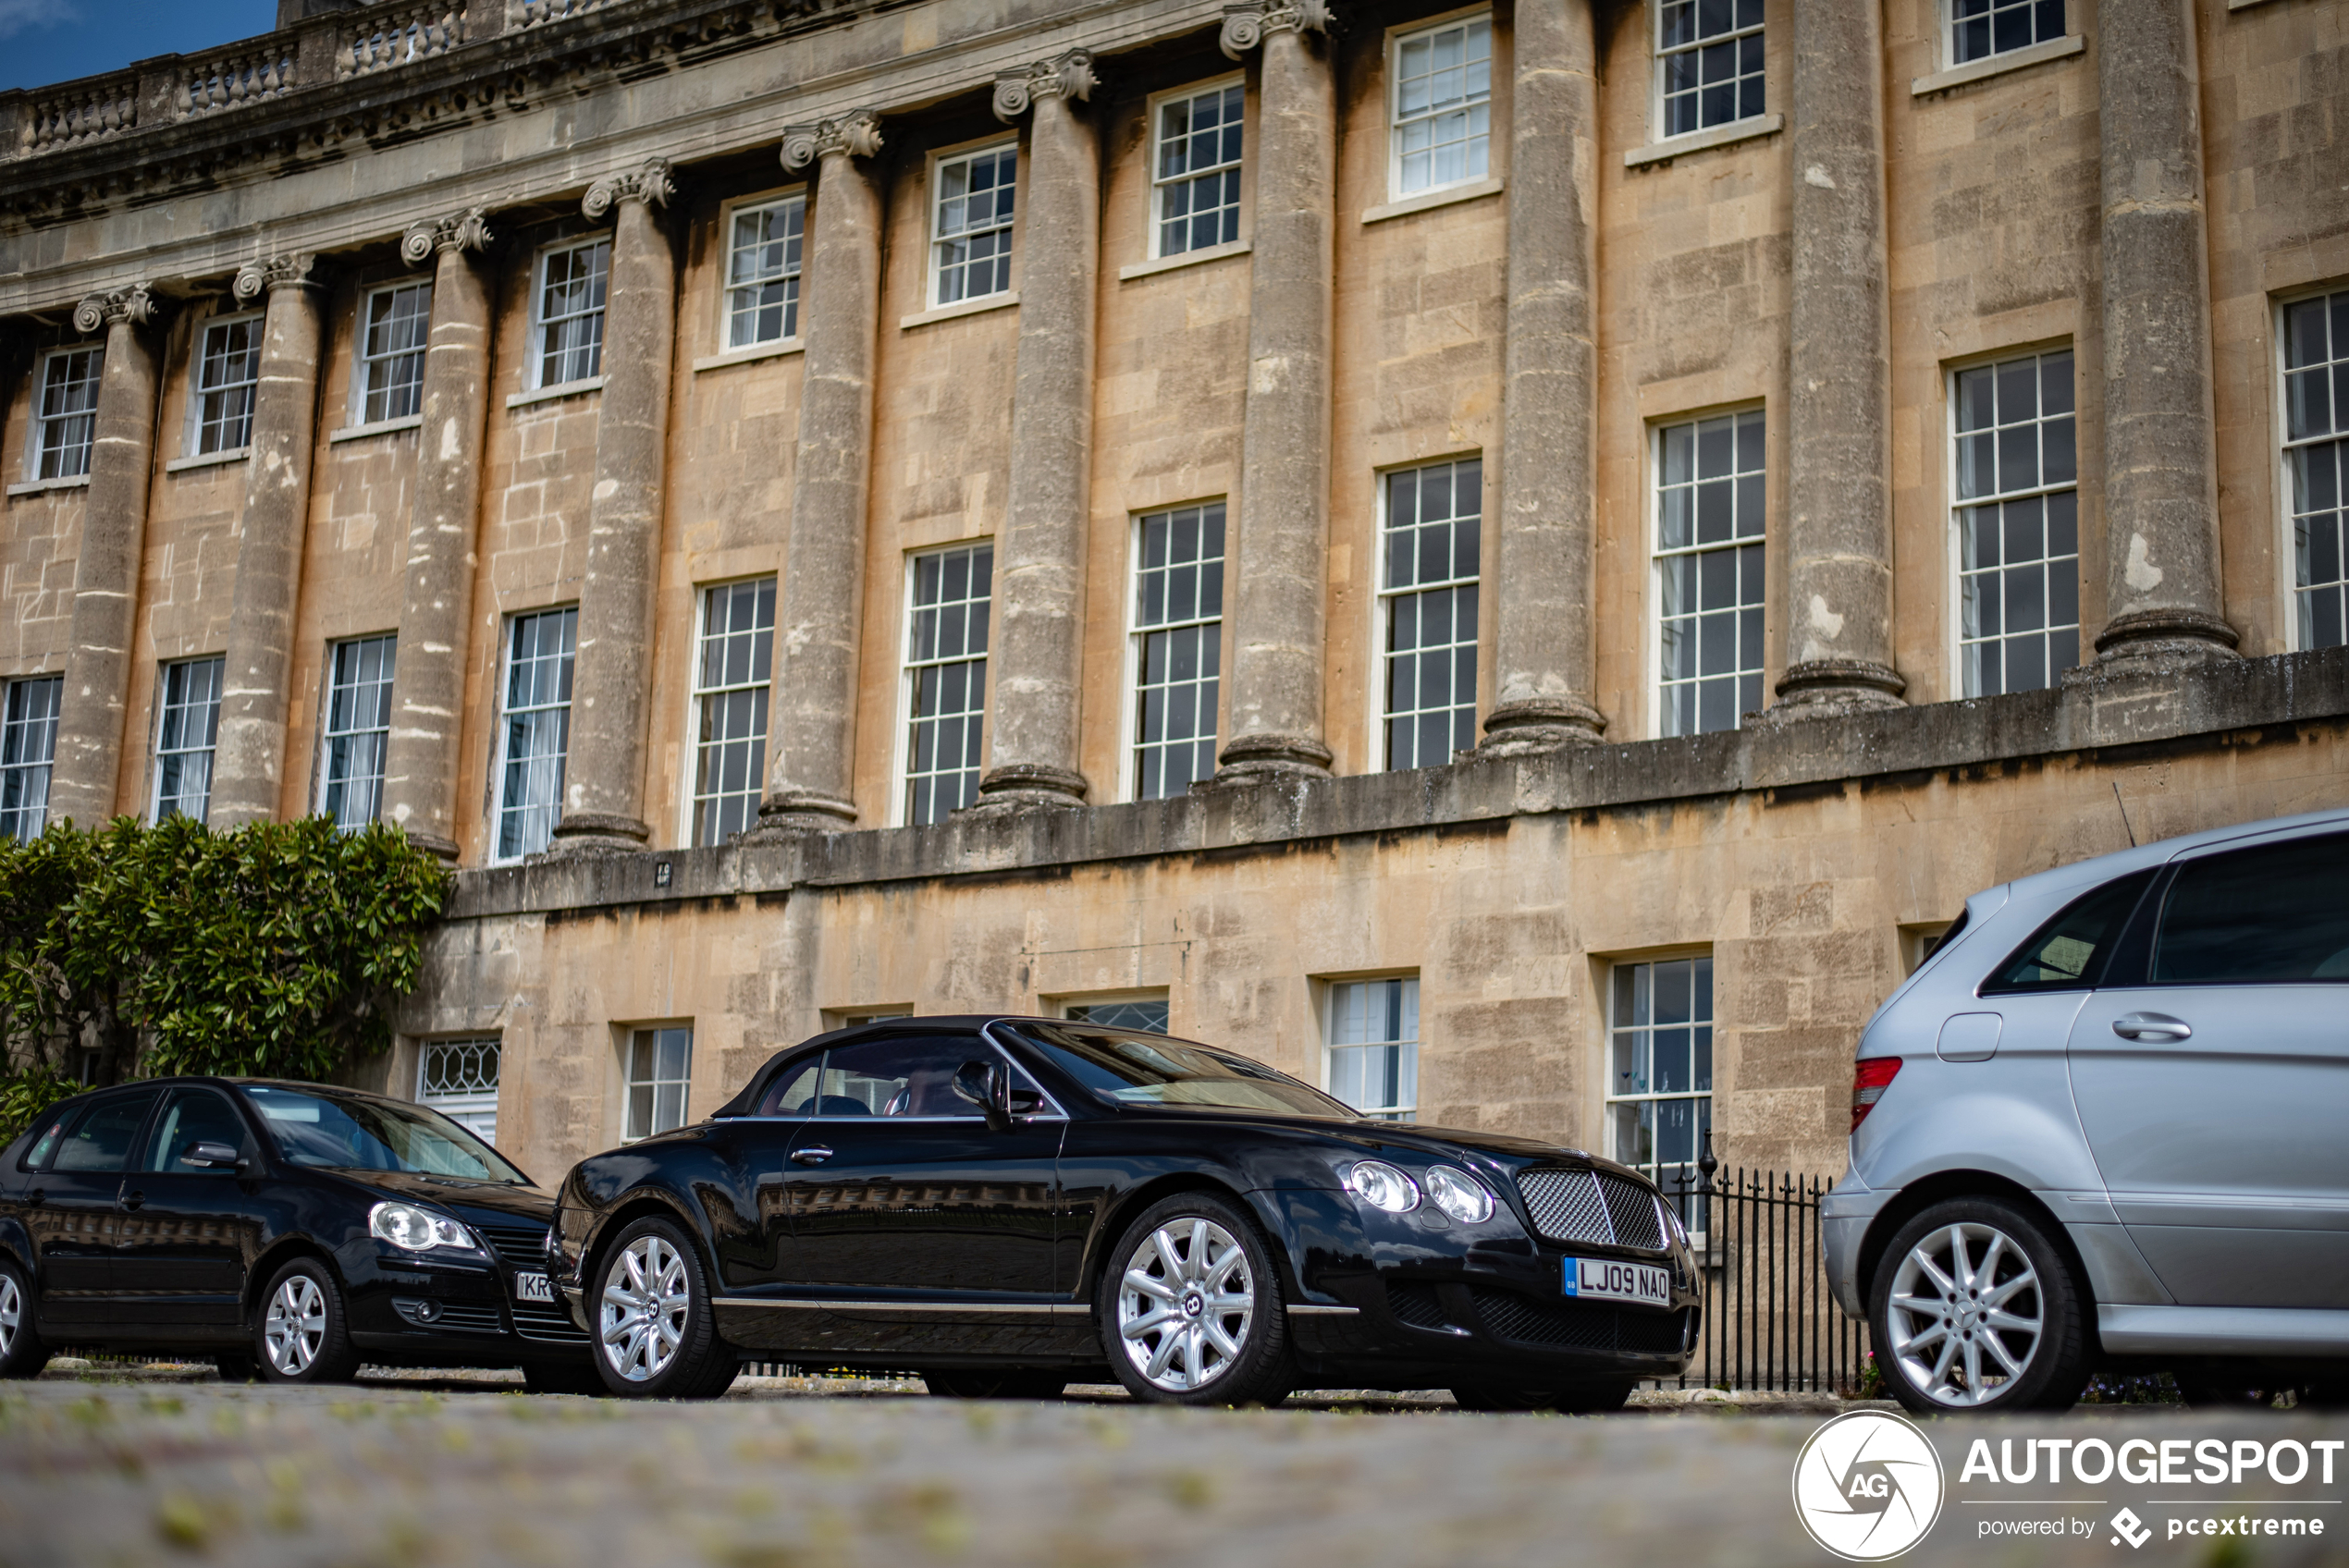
(286, 1229)
(1008, 1205)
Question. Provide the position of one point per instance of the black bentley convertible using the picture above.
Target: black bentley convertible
(1010, 1205)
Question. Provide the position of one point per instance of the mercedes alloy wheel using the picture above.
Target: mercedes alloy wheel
(1978, 1313)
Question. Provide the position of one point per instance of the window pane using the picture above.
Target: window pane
(1711, 493)
(946, 679)
(2018, 563)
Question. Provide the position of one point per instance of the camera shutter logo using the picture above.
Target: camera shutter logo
(1867, 1485)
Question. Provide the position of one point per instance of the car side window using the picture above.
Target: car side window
(101, 1140)
(2275, 914)
(793, 1091)
(2068, 953)
(909, 1076)
(194, 1116)
(38, 1155)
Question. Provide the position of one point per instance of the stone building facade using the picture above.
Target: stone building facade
(1515, 560)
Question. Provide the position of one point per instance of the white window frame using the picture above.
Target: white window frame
(11, 727)
(1610, 1027)
(691, 796)
(498, 756)
(1947, 13)
(1954, 641)
(192, 441)
(2288, 579)
(468, 1108)
(933, 272)
(162, 719)
(1157, 186)
(328, 734)
(1651, 525)
(1383, 597)
(1661, 53)
(365, 365)
(1129, 779)
(908, 672)
(539, 322)
(772, 200)
(1396, 37)
(629, 1083)
(36, 449)
(1408, 1109)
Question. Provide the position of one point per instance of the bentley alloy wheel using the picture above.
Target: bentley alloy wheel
(646, 1296)
(1187, 1304)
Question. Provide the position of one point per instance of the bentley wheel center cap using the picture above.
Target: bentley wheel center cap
(1192, 1306)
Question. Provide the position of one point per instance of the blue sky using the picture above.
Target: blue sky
(46, 41)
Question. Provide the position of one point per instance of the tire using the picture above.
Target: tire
(655, 1335)
(237, 1366)
(1190, 1307)
(564, 1378)
(1942, 1348)
(1592, 1398)
(304, 1332)
(995, 1385)
(21, 1352)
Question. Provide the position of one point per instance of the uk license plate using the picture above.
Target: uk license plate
(534, 1287)
(1598, 1278)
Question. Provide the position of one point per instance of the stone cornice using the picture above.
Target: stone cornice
(273, 273)
(1245, 26)
(1069, 76)
(134, 304)
(858, 135)
(653, 185)
(468, 231)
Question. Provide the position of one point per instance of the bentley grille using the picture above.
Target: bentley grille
(1594, 1208)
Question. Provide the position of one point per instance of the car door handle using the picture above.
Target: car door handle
(815, 1155)
(133, 1200)
(2151, 1026)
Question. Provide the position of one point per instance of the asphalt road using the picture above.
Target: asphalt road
(403, 1475)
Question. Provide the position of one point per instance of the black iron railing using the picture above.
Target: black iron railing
(1770, 1323)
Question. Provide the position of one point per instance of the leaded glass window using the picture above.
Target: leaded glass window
(1146, 1014)
(459, 1079)
(1710, 500)
(946, 679)
(1178, 647)
(2018, 524)
(1433, 535)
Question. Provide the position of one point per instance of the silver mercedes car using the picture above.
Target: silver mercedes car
(2106, 1125)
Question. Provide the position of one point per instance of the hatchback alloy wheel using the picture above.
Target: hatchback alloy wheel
(1186, 1304)
(1974, 1308)
(297, 1325)
(11, 1313)
(646, 1296)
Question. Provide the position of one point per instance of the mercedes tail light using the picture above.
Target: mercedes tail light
(1869, 1080)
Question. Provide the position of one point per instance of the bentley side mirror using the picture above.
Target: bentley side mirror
(981, 1083)
(211, 1156)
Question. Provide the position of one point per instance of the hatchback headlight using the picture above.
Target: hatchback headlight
(1382, 1186)
(1459, 1195)
(417, 1229)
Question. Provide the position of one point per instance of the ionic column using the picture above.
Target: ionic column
(1274, 701)
(2160, 490)
(420, 762)
(1543, 573)
(612, 671)
(1838, 489)
(248, 775)
(105, 573)
(1039, 565)
(819, 618)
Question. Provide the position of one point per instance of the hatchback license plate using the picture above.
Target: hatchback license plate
(536, 1287)
(1595, 1278)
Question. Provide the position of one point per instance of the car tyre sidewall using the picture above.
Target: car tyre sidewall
(1264, 1372)
(26, 1355)
(703, 1365)
(337, 1360)
(2059, 1367)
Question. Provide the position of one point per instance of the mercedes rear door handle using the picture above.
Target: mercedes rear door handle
(2151, 1026)
(815, 1155)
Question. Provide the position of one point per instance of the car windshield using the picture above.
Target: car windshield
(1130, 1067)
(347, 1132)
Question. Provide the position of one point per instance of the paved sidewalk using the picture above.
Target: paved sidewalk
(408, 1473)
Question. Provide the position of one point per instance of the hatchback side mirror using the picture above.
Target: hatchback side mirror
(981, 1083)
(211, 1156)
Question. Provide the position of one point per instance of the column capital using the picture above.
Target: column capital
(1245, 26)
(272, 273)
(653, 184)
(468, 231)
(857, 134)
(135, 304)
(1069, 75)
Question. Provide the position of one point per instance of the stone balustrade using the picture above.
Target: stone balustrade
(80, 112)
(377, 42)
(234, 79)
(531, 13)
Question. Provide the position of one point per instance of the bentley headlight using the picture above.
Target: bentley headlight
(417, 1229)
(1382, 1186)
(1459, 1195)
